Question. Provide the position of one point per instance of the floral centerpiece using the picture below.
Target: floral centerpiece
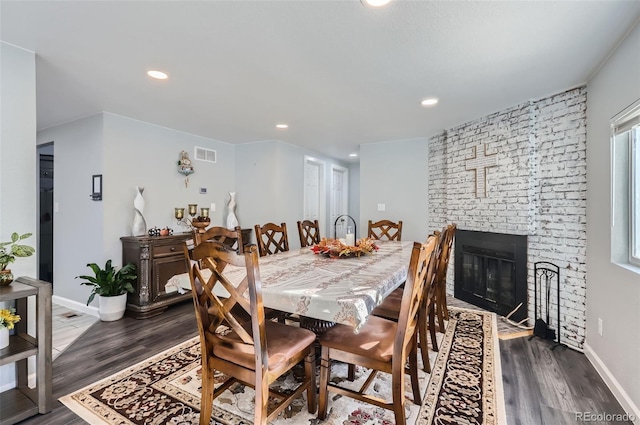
(334, 248)
(8, 318)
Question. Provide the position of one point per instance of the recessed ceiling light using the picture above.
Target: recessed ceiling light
(429, 101)
(282, 126)
(353, 155)
(159, 75)
(376, 3)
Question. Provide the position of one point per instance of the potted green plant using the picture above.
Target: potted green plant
(111, 286)
(8, 253)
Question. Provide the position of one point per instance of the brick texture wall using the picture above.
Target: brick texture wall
(537, 188)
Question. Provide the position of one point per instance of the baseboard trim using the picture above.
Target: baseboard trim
(618, 392)
(75, 305)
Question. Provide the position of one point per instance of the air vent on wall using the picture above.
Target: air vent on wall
(203, 154)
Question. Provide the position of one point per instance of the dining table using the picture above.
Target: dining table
(322, 288)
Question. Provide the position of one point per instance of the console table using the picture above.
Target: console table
(157, 259)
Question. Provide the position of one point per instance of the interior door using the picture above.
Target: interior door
(339, 200)
(314, 191)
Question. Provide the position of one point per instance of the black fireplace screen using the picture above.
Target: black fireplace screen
(491, 271)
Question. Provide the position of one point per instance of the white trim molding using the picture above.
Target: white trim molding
(75, 305)
(618, 392)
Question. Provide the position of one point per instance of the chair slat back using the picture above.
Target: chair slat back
(420, 273)
(272, 238)
(309, 233)
(446, 242)
(221, 234)
(385, 229)
(213, 310)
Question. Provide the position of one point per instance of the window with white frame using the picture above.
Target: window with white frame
(634, 254)
(625, 168)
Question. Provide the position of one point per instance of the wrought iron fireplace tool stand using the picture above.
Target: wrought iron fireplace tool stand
(544, 275)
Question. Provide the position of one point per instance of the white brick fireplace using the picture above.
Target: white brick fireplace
(533, 160)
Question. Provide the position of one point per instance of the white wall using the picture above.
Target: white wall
(270, 185)
(256, 184)
(18, 212)
(18, 151)
(395, 174)
(128, 153)
(77, 222)
(146, 155)
(267, 176)
(613, 292)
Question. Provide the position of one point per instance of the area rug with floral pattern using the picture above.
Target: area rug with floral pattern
(465, 386)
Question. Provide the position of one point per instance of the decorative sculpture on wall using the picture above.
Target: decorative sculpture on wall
(184, 167)
(479, 163)
(232, 220)
(139, 227)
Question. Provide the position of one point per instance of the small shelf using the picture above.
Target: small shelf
(15, 406)
(20, 347)
(21, 402)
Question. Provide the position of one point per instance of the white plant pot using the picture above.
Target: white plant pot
(112, 308)
(4, 337)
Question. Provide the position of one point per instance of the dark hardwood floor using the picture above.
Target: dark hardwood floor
(541, 386)
(108, 347)
(550, 387)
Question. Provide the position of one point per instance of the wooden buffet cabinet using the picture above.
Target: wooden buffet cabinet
(157, 259)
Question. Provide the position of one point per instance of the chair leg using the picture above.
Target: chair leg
(432, 328)
(397, 378)
(351, 372)
(325, 369)
(261, 403)
(413, 373)
(206, 401)
(424, 344)
(310, 372)
(440, 316)
(443, 299)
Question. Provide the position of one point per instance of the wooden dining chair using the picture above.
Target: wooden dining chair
(381, 345)
(231, 238)
(272, 238)
(254, 353)
(385, 230)
(309, 233)
(391, 307)
(440, 280)
(234, 240)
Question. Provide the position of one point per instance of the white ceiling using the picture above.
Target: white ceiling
(339, 73)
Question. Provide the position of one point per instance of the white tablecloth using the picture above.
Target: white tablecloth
(336, 290)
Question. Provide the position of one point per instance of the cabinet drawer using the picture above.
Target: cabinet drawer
(164, 250)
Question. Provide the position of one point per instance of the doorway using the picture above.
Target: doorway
(339, 200)
(314, 192)
(45, 237)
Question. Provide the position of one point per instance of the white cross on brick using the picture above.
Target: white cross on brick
(479, 164)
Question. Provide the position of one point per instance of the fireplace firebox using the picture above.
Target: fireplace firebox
(491, 271)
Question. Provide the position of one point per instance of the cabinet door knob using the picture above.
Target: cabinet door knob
(173, 248)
